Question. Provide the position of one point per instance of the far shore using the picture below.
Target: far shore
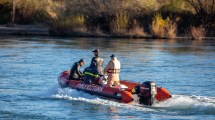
(24, 30)
(40, 30)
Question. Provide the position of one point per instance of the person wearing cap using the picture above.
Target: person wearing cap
(75, 73)
(91, 74)
(113, 70)
(98, 60)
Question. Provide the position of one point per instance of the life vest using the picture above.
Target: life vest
(116, 67)
(91, 74)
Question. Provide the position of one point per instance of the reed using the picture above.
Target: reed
(137, 30)
(68, 25)
(119, 25)
(198, 33)
(171, 30)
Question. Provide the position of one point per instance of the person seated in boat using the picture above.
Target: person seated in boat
(91, 74)
(99, 61)
(113, 70)
(75, 73)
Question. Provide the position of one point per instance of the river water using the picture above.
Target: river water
(29, 67)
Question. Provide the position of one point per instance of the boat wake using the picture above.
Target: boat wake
(74, 95)
(189, 104)
(178, 104)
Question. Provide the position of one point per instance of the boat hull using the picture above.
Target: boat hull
(117, 94)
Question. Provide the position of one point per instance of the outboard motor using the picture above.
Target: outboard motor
(147, 92)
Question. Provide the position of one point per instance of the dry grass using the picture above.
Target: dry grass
(114, 16)
(119, 26)
(164, 27)
(136, 30)
(2, 2)
(158, 26)
(171, 30)
(69, 25)
(198, 33)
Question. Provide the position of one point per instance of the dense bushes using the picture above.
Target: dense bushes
(27, 11)
(135, 18)
(68, 25)
(164, 28)
(31, 11)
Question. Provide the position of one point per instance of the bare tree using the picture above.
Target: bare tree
(205, 10)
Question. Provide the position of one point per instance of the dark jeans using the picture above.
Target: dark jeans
(92, 81)
(87, 81)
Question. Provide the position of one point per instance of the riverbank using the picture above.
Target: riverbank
(41, 30)
(109, 19)
(45, 31)
(24, 30)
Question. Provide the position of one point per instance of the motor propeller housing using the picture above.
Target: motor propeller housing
(147, 92)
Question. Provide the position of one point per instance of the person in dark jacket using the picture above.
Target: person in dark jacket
(91, 74)
(75, 73)
(98, 60)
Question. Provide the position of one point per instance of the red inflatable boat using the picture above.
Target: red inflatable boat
(146, 93)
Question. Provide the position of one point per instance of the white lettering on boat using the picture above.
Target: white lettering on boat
(90, 87)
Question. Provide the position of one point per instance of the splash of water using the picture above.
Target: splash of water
(189, 104)
(179, 104)
(72, 94)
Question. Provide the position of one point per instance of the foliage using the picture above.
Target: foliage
(68, 25)
(171, 29)
(164, 27)
(198, 33)
(205, 11)
(174, 6)
(113, 16)
(158, 26)
(120, 23)
(31, 11)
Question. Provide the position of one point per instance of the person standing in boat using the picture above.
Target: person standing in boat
(75, 73)
(113, 70)
(91, 74)
(98, 60)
